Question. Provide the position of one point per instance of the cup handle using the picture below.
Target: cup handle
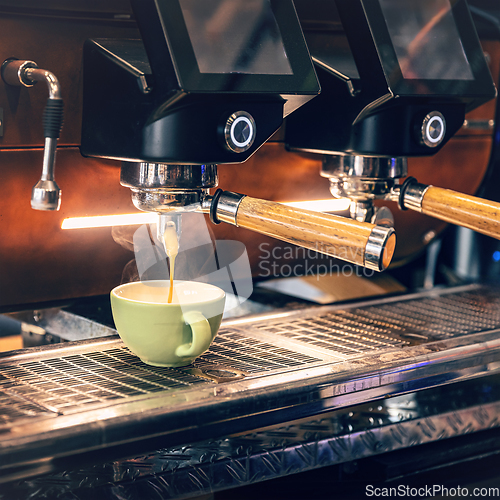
(201, 334)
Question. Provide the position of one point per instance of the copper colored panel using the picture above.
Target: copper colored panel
(38, 260)
(54, 44)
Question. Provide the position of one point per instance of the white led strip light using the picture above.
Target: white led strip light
(330, 205)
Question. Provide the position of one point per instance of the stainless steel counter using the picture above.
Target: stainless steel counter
(67, 405)
(337, 437)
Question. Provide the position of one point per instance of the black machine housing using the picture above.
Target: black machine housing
(395, 63)
(172, 97)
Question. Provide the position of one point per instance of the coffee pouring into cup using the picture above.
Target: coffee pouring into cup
(169, 322)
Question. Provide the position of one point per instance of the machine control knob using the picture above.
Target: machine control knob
(239, 132)
(433, 129)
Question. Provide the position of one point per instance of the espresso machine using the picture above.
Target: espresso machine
(381, 391)
(173, 106)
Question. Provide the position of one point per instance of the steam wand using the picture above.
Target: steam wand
(46, 194)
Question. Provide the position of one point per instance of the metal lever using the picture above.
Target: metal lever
(46, 194)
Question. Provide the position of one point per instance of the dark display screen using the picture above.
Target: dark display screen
(235, 36)
(426, 40)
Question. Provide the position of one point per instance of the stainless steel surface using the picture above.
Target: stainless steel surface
(360, 188)
(142, 175)
(34, 74)
(62, 324)
(139, 69)
(483, 125)
(413, 196)
(173, 200)
(363, 179)
(438, 315)
(14, 72)
(96, 375)
(376, 246)
(364, 167)
(64, 400)
(46, 194)
(345, 435)
(361, 210)
(227, 207)
(163, 222)
(157, 187)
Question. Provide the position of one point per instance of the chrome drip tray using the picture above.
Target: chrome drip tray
(92, 376)
(67, 399)
(396, 323)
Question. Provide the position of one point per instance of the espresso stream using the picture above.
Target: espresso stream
(171, 243)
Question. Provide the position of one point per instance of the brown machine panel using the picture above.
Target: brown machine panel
(38, 260)
(54, 44)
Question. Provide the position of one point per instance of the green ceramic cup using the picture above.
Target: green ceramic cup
(163, 334)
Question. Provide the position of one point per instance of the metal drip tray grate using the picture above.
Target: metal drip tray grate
(49, 386)
(66, 384)
(359, 330)
(443, 317)
(341, 332)
(251, 355)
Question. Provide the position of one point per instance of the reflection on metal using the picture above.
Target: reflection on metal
(64, 325)
(363, 179)
(46, 194)
(158, 187)
(345, 435)
(59, 401)
(483, 125)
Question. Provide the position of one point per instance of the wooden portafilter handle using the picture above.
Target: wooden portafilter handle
(360, 243)
(464, 210)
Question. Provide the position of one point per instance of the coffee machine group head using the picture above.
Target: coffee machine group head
(396, 82)
(208, 84)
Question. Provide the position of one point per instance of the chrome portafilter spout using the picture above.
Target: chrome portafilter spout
(169, 190)
(46, 194)
(363, 179)
(164, 221)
